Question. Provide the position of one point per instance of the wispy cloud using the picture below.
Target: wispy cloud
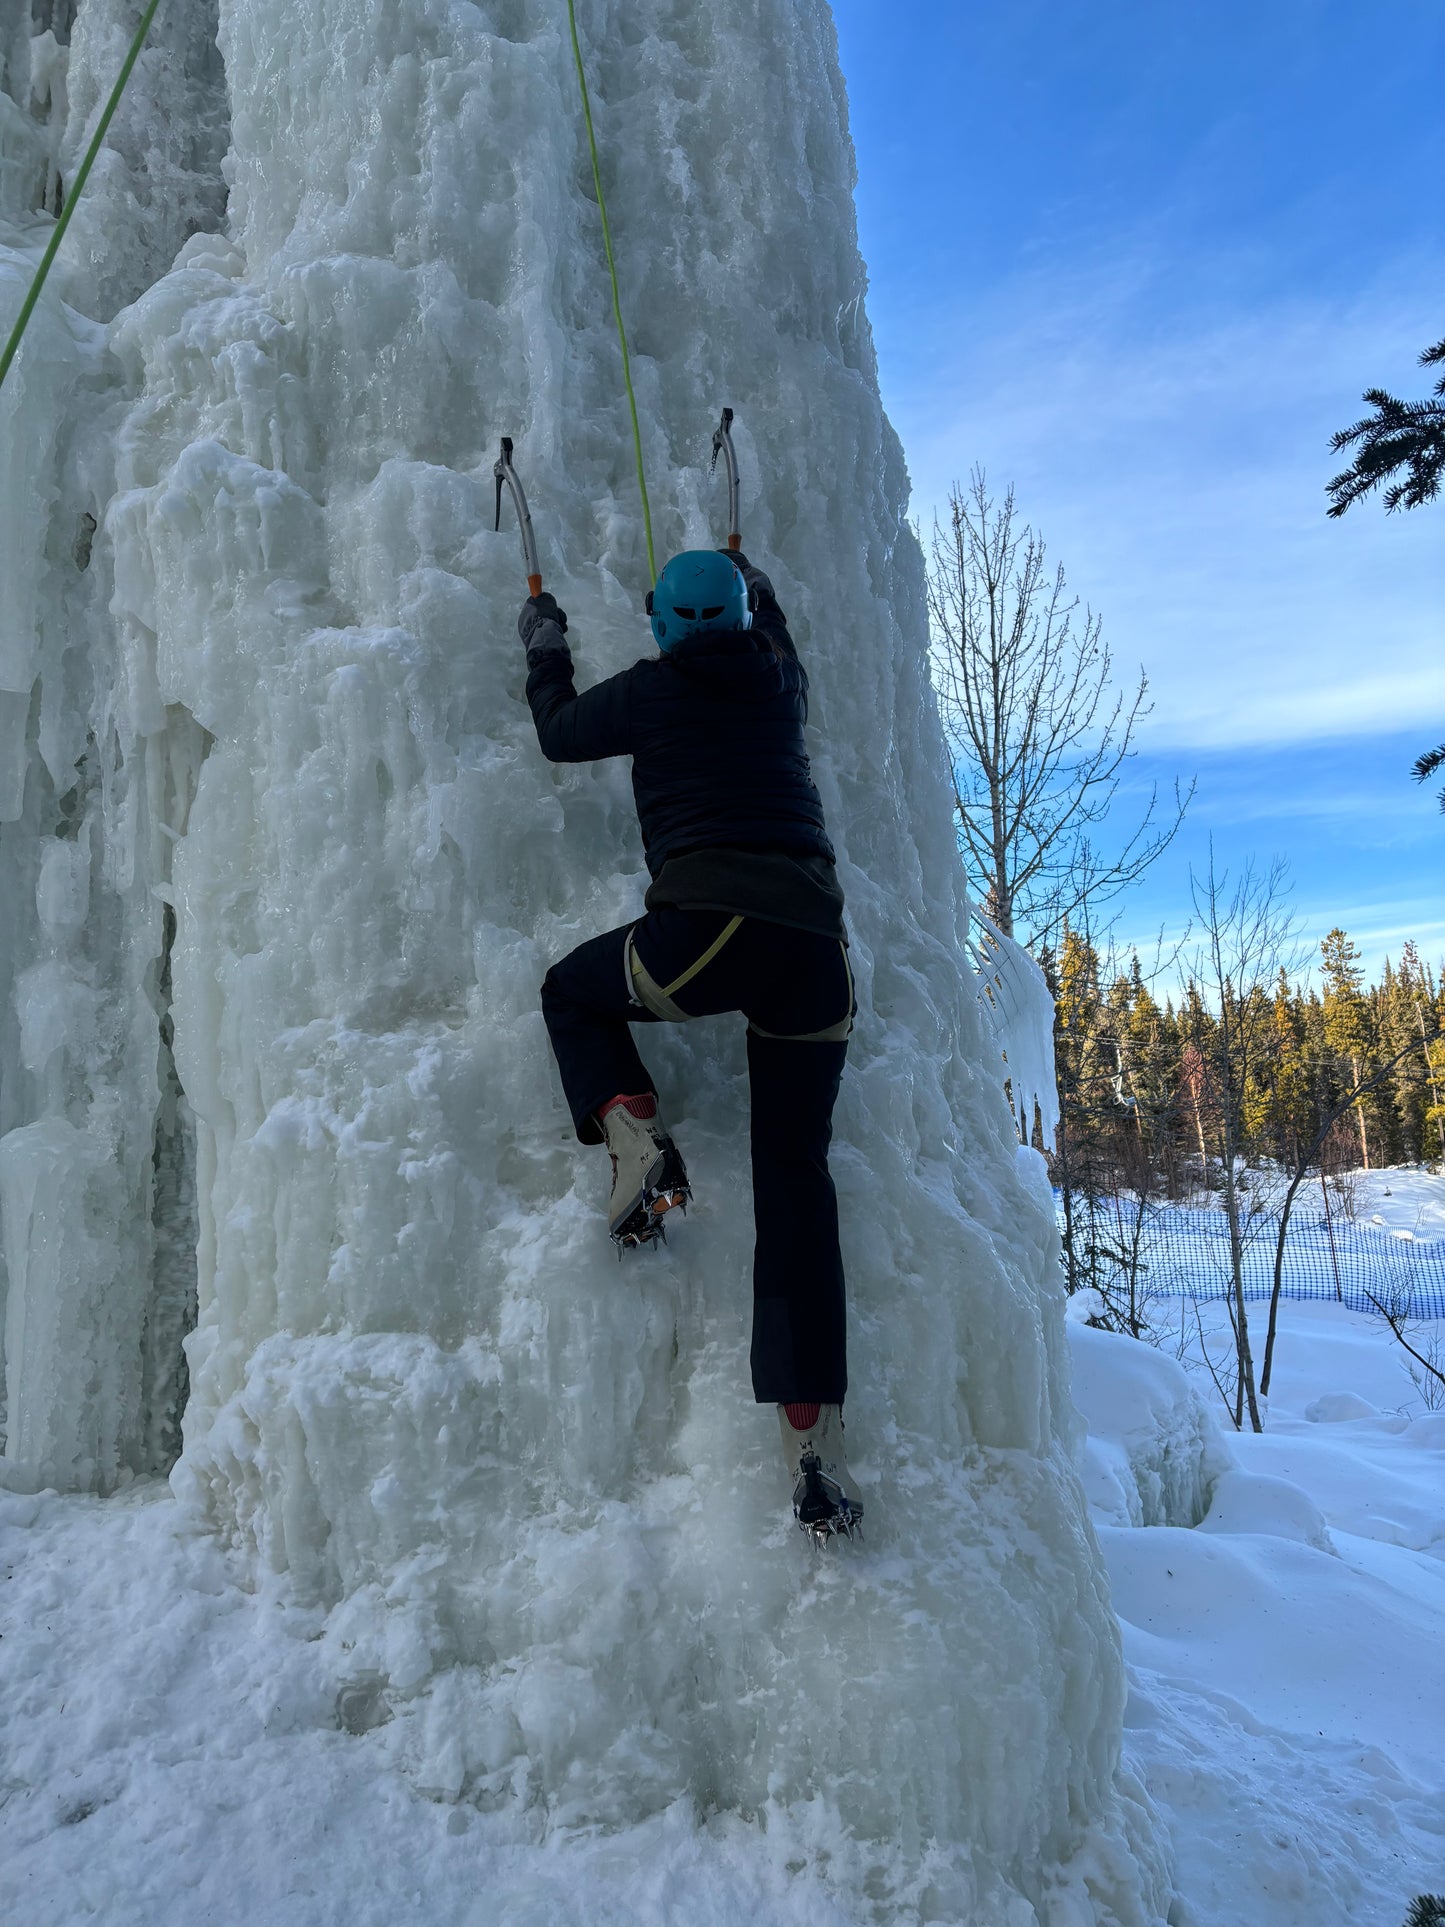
(1365, 846)
(1173, 449)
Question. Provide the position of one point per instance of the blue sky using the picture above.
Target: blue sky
(1141, 261)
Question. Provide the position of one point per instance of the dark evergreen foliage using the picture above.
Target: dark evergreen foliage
(1425, 767)
(1407, 435)
(1139, 1084)
(1426, 1910)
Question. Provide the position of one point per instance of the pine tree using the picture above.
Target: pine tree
(1421, 1103)
(1348, 1029)
(1286, 1123)
(1198, 1102)
(1150, 1051)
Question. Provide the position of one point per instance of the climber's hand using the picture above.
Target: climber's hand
(542, 626)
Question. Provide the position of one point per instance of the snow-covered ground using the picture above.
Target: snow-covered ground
(1402, 1198)
(173, 1753)
(1288, 1654)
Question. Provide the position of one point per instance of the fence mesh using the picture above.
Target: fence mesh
(1185, 1253)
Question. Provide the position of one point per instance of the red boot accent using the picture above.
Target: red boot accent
(802, 1418)
(643, 1105)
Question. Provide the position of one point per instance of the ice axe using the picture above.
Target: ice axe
(722, 444)
(507, 475)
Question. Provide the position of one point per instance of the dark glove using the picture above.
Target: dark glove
(537, 610)
(543, 628)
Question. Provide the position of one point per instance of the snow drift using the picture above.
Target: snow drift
(283, 868)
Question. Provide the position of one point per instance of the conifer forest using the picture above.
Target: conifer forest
(1346, 1074)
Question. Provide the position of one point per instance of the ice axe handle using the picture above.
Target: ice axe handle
(722, 444)
(507, 476)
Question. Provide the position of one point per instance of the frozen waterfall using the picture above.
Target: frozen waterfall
(282, 868)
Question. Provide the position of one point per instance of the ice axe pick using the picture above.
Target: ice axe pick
(507, 476)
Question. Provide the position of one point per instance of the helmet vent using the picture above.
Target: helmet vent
(688, 615)
(709, 614)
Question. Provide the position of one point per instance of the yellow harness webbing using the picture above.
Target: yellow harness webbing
(704, 960)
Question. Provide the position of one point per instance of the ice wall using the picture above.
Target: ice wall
(97, 1235)
(530, 1484)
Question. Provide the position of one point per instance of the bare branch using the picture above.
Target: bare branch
(1039, 731)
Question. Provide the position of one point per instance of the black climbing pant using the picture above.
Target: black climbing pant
(796, 991)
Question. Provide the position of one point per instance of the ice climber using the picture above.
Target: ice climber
(744, 913)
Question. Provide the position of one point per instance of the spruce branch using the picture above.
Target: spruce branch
(1407, 435)
(1425, 766)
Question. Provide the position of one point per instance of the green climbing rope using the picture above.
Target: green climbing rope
(616, 298)
(77, 189)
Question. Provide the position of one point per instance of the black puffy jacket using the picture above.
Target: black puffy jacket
(715, 733)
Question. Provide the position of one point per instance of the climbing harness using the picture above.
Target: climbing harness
(507, 477)
(77, 189)
(658, 998)
(616, 297)
(722, 444)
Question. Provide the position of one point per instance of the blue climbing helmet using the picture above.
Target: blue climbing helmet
(699, 589)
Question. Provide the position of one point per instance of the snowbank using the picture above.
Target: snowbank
(1154, 1450)
(1285, 1656)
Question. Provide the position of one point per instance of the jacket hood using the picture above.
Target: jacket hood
(734, 664)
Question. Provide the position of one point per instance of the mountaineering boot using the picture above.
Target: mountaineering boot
(648, 1175)
(825, 1500)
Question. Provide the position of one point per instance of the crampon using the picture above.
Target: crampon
(666, 1189)
(821, 1507)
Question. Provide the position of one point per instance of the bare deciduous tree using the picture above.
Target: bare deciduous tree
(1427, 1373)
(1038, 732)
(1248, 935)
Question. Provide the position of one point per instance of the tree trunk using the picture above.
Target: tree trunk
(1360, 1113)
(1243, 1356)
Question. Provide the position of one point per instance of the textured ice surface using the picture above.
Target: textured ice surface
(277, 704)
(1019, 1010)
(96, 773)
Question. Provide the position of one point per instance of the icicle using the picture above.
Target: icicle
(1019, 1011)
